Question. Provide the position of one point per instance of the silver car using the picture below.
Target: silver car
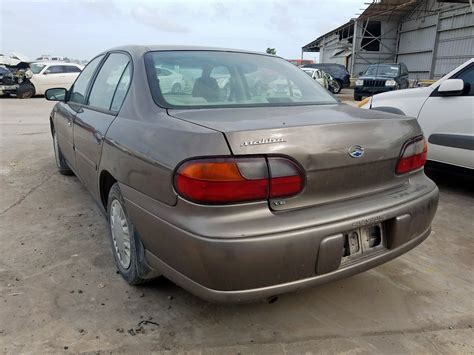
(259, 185)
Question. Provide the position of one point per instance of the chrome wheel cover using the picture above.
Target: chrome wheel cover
(120, 233)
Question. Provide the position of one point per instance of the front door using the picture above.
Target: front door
(448, 123)
(66, 112)
(91, 124)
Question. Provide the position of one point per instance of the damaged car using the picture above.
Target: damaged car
(15, 80)
(24, 80)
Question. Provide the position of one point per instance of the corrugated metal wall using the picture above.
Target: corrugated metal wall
(431, 44)
(332, 45)
(432, 41)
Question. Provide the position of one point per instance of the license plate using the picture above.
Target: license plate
(7, 87)
(363, 240)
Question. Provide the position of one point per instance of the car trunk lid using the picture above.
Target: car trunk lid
(321, 139)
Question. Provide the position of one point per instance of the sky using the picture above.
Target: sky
(82, 28)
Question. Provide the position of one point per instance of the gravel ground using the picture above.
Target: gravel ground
(59, 290)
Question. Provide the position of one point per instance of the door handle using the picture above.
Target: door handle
(98, 137)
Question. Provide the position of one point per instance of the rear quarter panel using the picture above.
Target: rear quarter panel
(144, 153)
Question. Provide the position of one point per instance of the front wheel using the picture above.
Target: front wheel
(176, 89)
(63, 168)
(128, 250)
(25, 91)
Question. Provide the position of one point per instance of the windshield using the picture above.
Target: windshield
(36, 68)
(194, 79)
(382, 70)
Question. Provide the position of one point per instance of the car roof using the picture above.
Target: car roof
(141, 49)
(55, 62)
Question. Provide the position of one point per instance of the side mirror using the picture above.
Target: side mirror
(361, 73)
(56, 94)
(451, 87)
(46, 72)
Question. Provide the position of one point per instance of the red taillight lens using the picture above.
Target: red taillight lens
(231, 180)
(286, 178)
(413, 155)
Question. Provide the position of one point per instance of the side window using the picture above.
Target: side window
(79, 89)
(107, 80)
(55, 69)
(72, 69)
(468, 76)
(122, 89)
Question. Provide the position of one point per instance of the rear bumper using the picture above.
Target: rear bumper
(248, 268)
(248, 295)
(346, 81)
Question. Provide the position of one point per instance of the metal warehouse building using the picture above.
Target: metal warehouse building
(431, 37)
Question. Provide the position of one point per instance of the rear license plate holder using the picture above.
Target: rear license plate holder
(363, 241)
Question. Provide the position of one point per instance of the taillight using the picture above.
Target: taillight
(413, 155)
(286, 178)
(231, 180)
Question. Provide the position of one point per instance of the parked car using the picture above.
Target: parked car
(381, 78)
(337, 71)
(245, 196)
(170, 81)
(8, 82)
(445, 112)
(48, 75)
(317, 75)
(13, 76)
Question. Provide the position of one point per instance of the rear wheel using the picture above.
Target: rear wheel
(176, 89)
(63, 168)
(128, 250)
(336, 86)
(25, 91)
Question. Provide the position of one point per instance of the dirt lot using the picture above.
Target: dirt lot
(59, 290)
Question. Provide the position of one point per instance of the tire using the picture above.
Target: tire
(61, 163)
(133, 267)
(25, 91)
(337, 86)
(357, 97)
(176, 88)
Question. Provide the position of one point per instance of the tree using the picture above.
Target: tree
(271, 51)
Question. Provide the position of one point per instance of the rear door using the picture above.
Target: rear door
(54, 76)
(448, 123)
(66, 111)
(92, 121)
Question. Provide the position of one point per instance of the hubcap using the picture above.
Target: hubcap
(56, 150)
(120, 233)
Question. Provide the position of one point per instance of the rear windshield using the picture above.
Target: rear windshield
(195, 79)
